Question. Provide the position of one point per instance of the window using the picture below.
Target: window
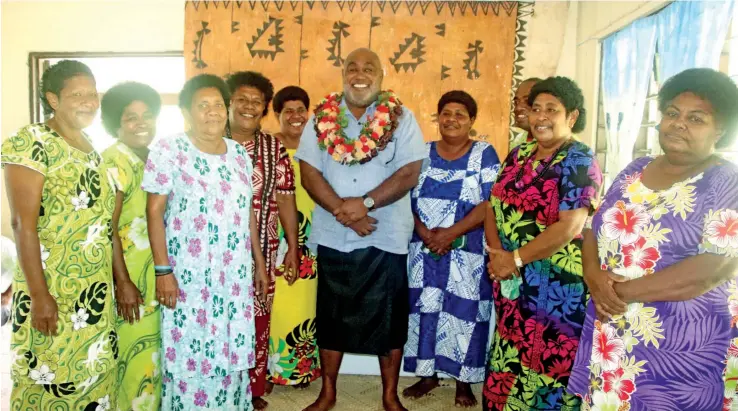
(162, 71)
(647, 142)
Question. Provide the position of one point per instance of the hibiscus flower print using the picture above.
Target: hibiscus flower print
(722, 230)
(614, 382)
(638, 254)
(605, 401)
(200, 222)
(607, 347)
(624, 222)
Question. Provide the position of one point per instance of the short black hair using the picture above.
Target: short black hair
(52, 81)
(461, 97)
(290, 93)
(115, 101)
(532, 79)
(202, 81)
(713, 86)
(567, 92)
(252, 79)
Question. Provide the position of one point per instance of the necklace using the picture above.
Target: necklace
(524, 179)
(330, 122)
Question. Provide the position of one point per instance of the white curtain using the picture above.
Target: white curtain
(627, 60)
(692, 34)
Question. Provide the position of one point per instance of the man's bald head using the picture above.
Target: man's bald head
(362, 77)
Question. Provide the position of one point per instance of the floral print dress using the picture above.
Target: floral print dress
(666, 355)
(540, 313)
(293, 349)
(139, 379)
(76, 369)
(208, 339)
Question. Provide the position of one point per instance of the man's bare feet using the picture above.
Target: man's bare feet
(464, 396)
(393, 404)
(269, 387)
(421, 388)
(259, 403)
(323, 403)
(302, 386)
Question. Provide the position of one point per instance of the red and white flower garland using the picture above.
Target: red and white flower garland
(330, 121)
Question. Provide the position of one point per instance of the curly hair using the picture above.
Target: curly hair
(252, 79)
(53, 79)
(567, 92)
(202, 81)
(115, 101)
(713, 86)
(461, 97)
(290, 93)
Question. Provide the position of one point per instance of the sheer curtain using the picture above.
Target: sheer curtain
(692, 34)
(627, 59)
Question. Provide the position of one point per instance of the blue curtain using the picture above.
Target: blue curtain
(692, 34)
(627, 61)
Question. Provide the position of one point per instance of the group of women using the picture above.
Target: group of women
(628, 302)
(625, 302)
(147, 274)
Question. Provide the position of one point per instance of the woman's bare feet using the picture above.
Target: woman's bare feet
(464, 396)
(323, 403)
(421, 388)
(393, 404)
(302, 386)
(259, 403)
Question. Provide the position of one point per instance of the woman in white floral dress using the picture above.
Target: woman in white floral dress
(202, 235)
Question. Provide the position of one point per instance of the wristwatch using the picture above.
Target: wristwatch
(368, 202)
(518, 260)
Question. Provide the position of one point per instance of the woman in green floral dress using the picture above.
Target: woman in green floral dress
(129, 113)
(64, 345)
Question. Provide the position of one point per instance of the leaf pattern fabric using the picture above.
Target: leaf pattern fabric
(540, 313)
(293, 350)
(208, 339)
(74, 229)
(665, 355)
(139, 379)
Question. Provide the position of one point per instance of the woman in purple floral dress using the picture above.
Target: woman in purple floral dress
(660, 262)
(202, 234)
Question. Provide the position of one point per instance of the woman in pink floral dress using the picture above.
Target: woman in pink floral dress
(660, 263)
(202, 233)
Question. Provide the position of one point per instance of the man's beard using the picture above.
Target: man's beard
(360, 102)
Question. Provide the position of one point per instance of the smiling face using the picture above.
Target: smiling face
(207, 114)
(293, 118)
(521, 109)
(688, 130)
(454, 122)
(548, 120)
(362, 78)
(137, 125)
(77, 103)
(247, 108)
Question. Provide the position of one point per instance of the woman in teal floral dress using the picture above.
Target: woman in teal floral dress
(202, 235)
(543, 196)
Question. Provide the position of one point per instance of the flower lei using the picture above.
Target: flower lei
(330, 122)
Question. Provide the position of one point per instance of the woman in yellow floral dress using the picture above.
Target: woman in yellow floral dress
(64, 345)
(129, 113)
(293, 353)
